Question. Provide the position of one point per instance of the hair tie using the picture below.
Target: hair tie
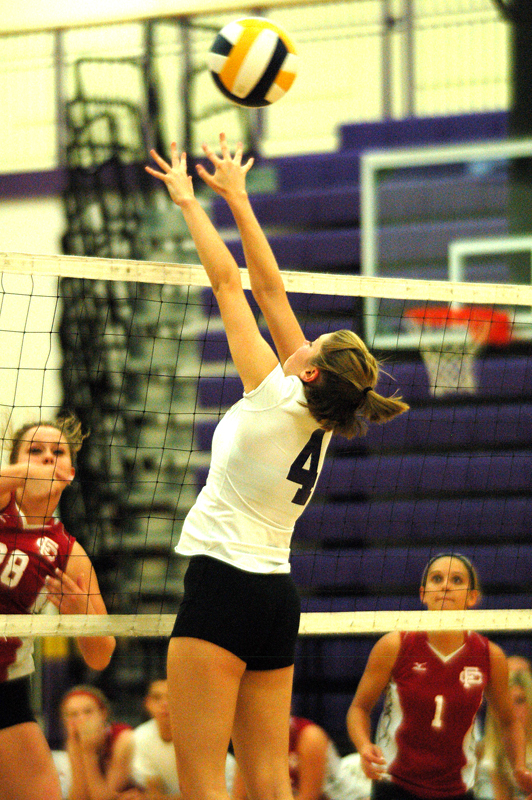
(366, 390)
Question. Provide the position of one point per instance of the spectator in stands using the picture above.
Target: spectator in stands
(316, 770)
(40, 564)
(231, 652)
(154, 764)
(435, 682)
(99, 751)
(495, 758)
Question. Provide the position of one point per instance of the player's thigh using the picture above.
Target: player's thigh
(261, 731)
(203, 682)
(27, 771)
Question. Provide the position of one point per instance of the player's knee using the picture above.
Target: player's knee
(270, 785)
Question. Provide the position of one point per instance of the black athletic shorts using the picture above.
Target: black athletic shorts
(254, 616)
(388, 790)
(15, 705)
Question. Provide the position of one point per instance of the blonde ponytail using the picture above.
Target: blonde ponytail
(343, 399)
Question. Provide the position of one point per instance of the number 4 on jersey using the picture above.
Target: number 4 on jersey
(304, 469)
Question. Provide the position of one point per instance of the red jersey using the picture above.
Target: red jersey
(426, 729)
(27, 555)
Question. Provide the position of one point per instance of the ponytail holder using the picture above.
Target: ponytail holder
(366, 390)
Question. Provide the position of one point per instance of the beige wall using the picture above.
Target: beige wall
(461, 65)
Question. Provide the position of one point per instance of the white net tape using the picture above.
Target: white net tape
(344, 623)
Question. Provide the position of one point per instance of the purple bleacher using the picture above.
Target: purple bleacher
(427, 474)
(302, 304)
(504, 376)
(317, 604)
(328, 169)
(312, 207)
(414, 131)
(321, 605)
(430, 240)
(437, 197)
(460, 426)
(219, 392)
(312, 251)
(328, 250)
(315, 170)
(398, 569)
(420, 521)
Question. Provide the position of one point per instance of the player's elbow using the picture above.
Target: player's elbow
(98, 656)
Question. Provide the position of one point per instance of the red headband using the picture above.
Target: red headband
(87, 693)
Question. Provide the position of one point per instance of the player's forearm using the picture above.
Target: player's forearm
(98, 788)
(262, 265)
(359, 727)
(215, 256)
(96, 650)
(78, 788)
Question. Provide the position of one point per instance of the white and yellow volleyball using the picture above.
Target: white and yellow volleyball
(253, 62)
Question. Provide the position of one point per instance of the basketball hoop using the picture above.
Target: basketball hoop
(450, 338)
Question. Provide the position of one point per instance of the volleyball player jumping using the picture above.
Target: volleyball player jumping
(39, 562)
(425, 746)
(231, 655)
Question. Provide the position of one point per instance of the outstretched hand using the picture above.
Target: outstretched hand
(229, 178)
(178, 182)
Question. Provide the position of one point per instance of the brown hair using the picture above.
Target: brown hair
(68, 424)
(343, 398)
(89, 691)
(474, 582)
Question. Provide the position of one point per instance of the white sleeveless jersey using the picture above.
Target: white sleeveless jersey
(267, 453)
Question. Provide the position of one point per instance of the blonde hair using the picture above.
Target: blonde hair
(67, 423)
(343, 398)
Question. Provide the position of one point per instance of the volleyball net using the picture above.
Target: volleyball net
(137, 350)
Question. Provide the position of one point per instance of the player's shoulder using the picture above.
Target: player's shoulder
(275, 388)
(388, 646)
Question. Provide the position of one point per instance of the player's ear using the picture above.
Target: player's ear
(422, 593)
(473, 596)
(310, 374)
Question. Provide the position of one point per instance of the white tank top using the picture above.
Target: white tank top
(267, 453)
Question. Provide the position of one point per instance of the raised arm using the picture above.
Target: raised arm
(229, 181)
(253, 357)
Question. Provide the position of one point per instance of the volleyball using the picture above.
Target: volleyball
(253, 62)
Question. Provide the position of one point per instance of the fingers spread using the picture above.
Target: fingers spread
(161, 162)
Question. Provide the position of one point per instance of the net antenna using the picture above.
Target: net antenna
(450, 338)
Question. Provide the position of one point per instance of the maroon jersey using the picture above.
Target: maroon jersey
(27, 555)
(426, 729)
